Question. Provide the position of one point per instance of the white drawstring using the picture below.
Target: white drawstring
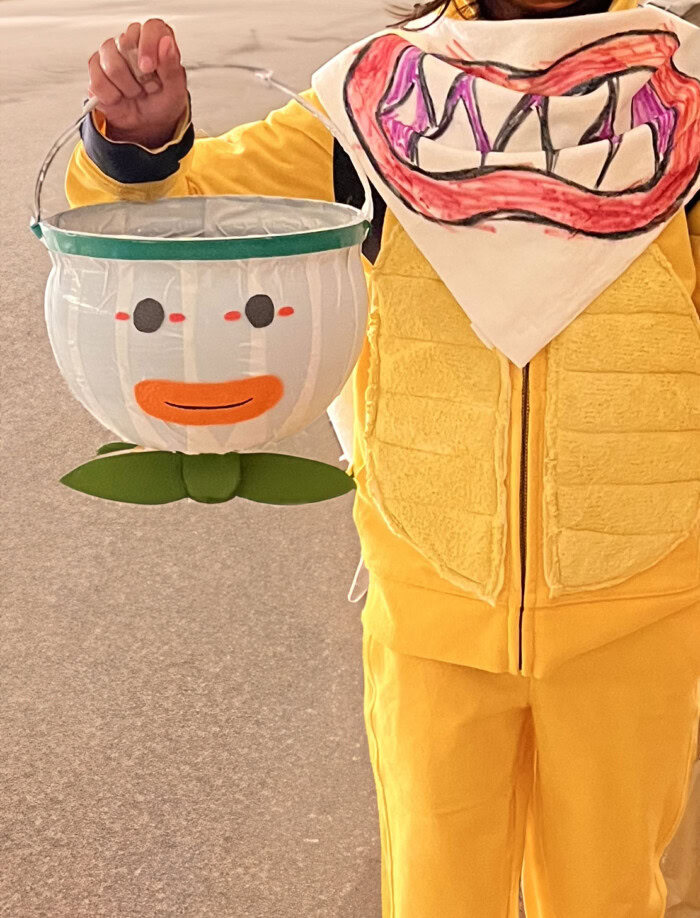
(360, 567)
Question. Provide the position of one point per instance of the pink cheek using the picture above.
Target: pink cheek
(286, 311)
(232, 316)
(177, 317)
(121, 315)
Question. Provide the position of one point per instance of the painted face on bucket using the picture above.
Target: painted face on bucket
(620, 101)
(208, 356)
(206, 403)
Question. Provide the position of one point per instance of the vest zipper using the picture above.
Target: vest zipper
(523, 504)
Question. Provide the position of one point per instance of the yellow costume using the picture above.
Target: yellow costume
(533, 543)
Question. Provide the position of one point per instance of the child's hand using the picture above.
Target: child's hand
(145, 112)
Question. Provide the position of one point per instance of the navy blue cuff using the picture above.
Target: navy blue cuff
(130, 164)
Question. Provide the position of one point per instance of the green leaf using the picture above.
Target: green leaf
(114, 447)
(211, 478)
(136, 478)
(271, 478)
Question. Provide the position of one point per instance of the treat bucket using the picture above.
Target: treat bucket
(206, 325)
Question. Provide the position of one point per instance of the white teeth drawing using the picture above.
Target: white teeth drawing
(438, 78)
(495, 105)
(527, 136)
(628, 85)
(536, 159)
(566, 114)
(458, 133)
(406, 111)
(582, 165)
(451, 145)
(434, 156)
(634, 163)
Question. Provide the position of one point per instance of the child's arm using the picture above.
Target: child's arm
(289, 154)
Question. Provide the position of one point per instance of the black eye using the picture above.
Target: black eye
(148, 315)
(260, 310)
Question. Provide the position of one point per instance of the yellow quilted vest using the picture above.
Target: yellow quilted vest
(583, 471)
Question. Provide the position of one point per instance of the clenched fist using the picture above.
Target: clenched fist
(145, 110)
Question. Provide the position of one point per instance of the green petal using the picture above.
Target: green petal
(211, 478)
(135, 478)
(271, 478)
(114, 447)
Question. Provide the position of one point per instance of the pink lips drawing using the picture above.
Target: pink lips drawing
(388, 69)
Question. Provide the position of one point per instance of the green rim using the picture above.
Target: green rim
(68, 243)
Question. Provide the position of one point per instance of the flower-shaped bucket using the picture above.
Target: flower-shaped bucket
(199, 329)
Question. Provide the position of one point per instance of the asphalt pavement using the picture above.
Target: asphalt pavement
(180, 686)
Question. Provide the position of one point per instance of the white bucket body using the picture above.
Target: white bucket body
(314, 310)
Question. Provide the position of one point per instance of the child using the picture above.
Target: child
(532, 628)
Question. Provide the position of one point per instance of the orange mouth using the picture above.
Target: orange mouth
(208, 403)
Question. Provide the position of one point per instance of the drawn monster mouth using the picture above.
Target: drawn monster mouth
(426, 124)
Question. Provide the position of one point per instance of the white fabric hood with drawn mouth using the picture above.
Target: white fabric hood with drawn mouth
(530, 161)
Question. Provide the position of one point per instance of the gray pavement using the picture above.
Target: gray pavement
(180, 686)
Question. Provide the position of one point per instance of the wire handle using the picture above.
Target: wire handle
(266, 76)
(263, 74)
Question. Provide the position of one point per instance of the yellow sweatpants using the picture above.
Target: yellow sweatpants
(578, 780)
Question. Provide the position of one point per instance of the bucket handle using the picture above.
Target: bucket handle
(263, 74)
(267, 77)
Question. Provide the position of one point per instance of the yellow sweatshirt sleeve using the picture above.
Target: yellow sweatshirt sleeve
(289, 154)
